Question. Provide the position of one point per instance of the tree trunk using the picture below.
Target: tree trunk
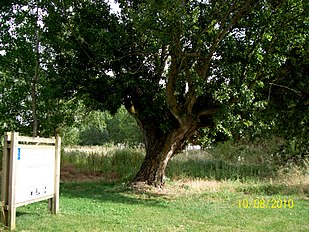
(159, 149)
(35, 80)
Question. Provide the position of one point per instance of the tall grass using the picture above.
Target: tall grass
(217, 169)
(122, 165)
(243, 160)
(115, 165)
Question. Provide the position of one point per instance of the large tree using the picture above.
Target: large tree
(175, 65)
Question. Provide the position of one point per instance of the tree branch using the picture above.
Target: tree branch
(191, 96)
(170, 91)
(223, 31)
(284, 87)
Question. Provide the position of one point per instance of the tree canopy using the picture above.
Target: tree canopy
(178, 66)
(27, 100)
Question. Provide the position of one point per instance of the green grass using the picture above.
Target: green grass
(122, 165)
(182, 206)
(201, 166)
(202, 194)
(116, 164)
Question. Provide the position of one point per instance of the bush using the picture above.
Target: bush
(294, 151)
(93, 136)
(260, 151)
(69, 136)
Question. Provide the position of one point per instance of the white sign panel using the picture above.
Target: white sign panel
(35, 172)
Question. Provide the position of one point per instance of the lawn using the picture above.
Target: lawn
(202, 194)
(183, 205)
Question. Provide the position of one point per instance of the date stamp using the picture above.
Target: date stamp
(265, 203)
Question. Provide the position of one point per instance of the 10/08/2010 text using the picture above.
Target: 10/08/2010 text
(265, 203)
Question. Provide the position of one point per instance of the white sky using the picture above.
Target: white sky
(114, 6)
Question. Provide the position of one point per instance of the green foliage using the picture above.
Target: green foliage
(93, 128)
(100, 128)
(93, 136)
(245, 60)
(123, 128)
(24, 72)
(245, 151)
(69, 136)
(273, 100)
(17, 67)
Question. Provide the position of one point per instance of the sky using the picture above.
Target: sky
(114, 6)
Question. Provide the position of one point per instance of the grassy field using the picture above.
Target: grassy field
(181, 206)
(96, 200)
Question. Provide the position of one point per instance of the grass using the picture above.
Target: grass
(113, 165)
(202, 194)
(122, 165)
(187, 205)
(203, 166)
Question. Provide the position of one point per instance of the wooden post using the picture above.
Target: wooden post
(5, 178)
(54, 202)
(12, 181)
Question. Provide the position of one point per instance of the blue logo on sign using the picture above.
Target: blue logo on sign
(18, 154)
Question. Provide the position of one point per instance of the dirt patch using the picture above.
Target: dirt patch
(69, 173)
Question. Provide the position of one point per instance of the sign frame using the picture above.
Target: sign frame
(13, 143)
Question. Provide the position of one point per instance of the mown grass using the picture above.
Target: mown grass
(201, 194)
(182, 206)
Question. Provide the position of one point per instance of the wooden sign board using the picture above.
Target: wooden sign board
(34, 173)
(30, 173)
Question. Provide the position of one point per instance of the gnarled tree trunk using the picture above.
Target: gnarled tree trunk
(159, 149)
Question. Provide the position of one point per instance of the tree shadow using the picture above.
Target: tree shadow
(110, 192)
(24, 213)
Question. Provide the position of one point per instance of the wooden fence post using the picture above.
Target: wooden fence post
(5, 178)
(54, 202)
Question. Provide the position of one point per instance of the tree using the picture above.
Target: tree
(20, 62)
(122, 128)
(177, 66)
(288, 96)
(26, 104)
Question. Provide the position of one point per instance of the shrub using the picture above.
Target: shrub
(69, 136)
(255, 152)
